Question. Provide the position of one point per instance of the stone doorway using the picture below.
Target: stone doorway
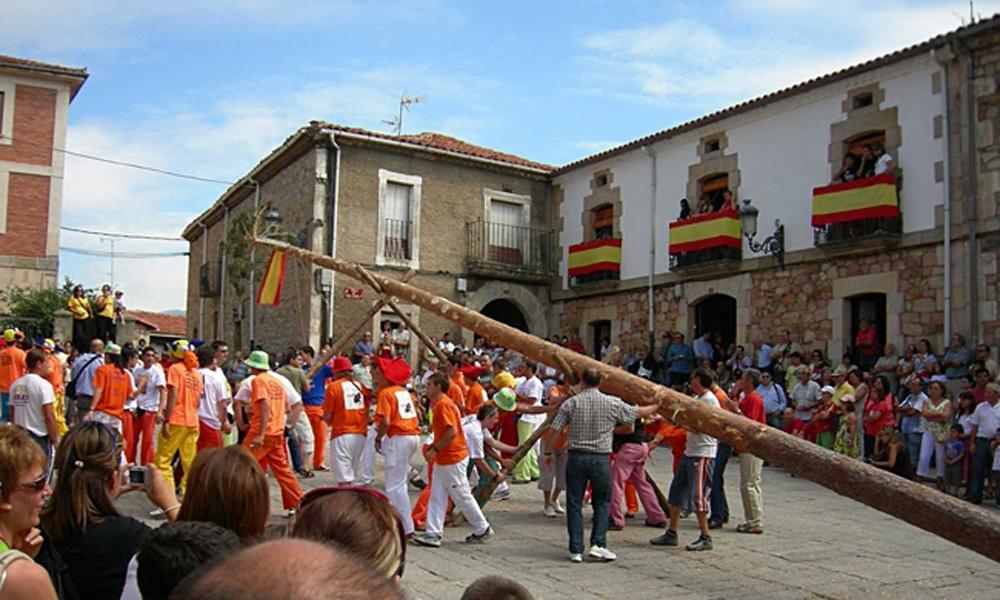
(507, 313)
(717, 314)
(866, 306)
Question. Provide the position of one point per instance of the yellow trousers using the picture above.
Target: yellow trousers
(59, 408)
(183, 440)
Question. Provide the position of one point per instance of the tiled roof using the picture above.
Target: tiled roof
(160, 322)
(798, 88)
(24, 64)
(439, 141)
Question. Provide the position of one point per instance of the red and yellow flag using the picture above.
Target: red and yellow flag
(591, 257)
(274, 278)
(870, 198)
(715, 230)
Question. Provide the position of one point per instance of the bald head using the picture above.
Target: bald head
(288, 569)
(97, 346)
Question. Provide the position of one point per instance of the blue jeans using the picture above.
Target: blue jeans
(5, 398)
(717, 499)
(293, 449)
(913, 443)
(982, 460)
(583, 467)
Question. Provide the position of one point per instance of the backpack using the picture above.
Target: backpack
(71, 386)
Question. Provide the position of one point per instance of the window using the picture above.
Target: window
(711, 188)
(600, 180)
(398, 219)
(711, 146)
(604, 221)
(6, 112)
(3, 97)
(507, 219)
(855, 143)
(862, 100)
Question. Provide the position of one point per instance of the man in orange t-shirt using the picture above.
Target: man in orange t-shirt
(451, 461)
(178, 418)
(475, 396)
(112, 389)
(455, 371)
(266, 436)
(13, 365)
(345, 409)
(398, 431)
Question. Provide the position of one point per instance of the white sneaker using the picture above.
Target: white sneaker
(602, 554)
(559, 508)
(576, 558)
(550, 511)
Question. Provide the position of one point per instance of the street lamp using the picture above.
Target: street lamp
(774, 245)
(272, 217)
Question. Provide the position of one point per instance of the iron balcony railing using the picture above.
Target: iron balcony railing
(398, 240)
(503, 247)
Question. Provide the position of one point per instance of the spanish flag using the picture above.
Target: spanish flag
(274, 278)
(591, 257)
(870, 198)
(715, 230)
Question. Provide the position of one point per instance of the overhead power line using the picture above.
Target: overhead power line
(107, 254)
(130, 236)
(122, 163)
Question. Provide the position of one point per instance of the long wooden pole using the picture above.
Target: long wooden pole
(349, 336)
(964, 524)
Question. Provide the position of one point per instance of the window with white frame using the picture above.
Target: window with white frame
(6, 112)
(508, 217)
(398, 219)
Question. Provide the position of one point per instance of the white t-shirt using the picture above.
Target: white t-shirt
(148, 398)
(447, 347)
(243, 394)
(473, 430)
(532, 388)
(28, 394)
(702, 445)
(213, 389)
(986, 418)
(882, 164)
(130, 404)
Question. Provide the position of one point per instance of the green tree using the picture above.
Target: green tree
(33, 310)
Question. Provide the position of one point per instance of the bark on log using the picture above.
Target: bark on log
(347, 337)
(958, 521)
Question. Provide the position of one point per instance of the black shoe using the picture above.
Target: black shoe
(613, 527)
(669, 538)
(715, 524)
(703, 542)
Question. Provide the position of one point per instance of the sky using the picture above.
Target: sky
(211, 90)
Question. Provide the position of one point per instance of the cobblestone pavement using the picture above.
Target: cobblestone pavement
(817, 544)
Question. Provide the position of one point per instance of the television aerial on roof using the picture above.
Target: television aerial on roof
(404, 103)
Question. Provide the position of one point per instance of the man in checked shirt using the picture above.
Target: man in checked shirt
(592, 418)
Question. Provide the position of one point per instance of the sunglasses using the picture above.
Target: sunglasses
(35, 486)
(323, 492)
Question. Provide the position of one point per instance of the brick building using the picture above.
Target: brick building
(472, 222)
(34, 104)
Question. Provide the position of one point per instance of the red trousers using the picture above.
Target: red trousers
(134, 428)
(320, 432)
(208, 437)
(128, 434)
(272, 454)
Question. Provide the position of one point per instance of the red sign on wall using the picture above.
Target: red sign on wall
(354, 293)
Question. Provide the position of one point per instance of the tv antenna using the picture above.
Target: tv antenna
(404, 103)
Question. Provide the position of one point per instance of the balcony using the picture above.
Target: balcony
(706, 242)
(210, 279)
(511, 252)
(596, 262)
(858, 215)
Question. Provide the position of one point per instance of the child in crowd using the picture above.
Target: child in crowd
(954, 457)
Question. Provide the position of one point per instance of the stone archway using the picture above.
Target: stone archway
(521, 297)
(506, 312)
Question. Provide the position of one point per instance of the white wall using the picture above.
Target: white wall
(783, 153)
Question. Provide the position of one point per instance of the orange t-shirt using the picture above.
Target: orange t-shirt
(458, 379)
(475, 398)
(347, 405)
(397, 404)
(265, 388)
(446, 415)
(457, 395)
(188, 384)
(13, 365)
(116, 387)
(56, 374)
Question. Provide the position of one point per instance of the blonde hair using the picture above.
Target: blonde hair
(18, 453)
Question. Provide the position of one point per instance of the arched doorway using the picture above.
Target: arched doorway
(507, 313)
(717, 314)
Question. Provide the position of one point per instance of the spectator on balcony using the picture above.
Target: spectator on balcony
(848, 169)
(704, 205)
(866, 167)
(703, 347)
(884, 164)
(685, 209)
(867, 343)
(729, 203)
(956, 363)
(679, 359)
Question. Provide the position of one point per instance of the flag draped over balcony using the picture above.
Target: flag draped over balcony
(870, 198)
(715, 230)
(591, 257)
(274, 278)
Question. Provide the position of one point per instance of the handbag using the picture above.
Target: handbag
(71, 386)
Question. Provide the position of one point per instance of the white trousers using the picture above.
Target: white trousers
(397, 450)
(450, 480)
(368, 456)
(929, 446)
(346, 451)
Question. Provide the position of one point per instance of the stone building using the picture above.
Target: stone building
(473, 223)
(934, 106)
(34, 104)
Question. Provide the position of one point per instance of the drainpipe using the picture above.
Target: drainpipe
(253, 259)
(970, 116)
(221, 325)
(201, 297)
(333, 189)
(650, 325)
(946, 189)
